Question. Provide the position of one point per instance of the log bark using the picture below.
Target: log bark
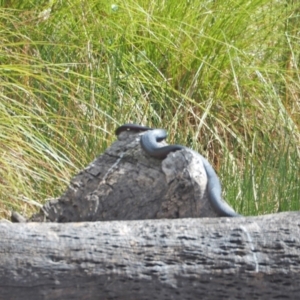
(125, 183)
(205, 258)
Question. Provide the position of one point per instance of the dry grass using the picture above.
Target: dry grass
(222, 77)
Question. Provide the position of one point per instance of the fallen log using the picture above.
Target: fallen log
(174, 254)
(206, 258)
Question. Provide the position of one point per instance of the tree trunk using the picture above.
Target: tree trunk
(207, 258)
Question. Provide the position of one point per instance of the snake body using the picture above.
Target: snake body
(150, 143)
(131, 127)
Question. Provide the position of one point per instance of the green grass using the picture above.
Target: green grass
(221, 76)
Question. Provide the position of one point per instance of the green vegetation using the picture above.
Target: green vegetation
(221, 76)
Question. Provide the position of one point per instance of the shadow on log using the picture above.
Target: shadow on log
(208, 258)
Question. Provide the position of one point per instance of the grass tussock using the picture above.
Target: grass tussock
(221, 76)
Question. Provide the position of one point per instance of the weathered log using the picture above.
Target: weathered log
(124, 183)
(243, 258)
(207, 258)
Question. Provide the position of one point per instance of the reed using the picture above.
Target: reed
(221, 76)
